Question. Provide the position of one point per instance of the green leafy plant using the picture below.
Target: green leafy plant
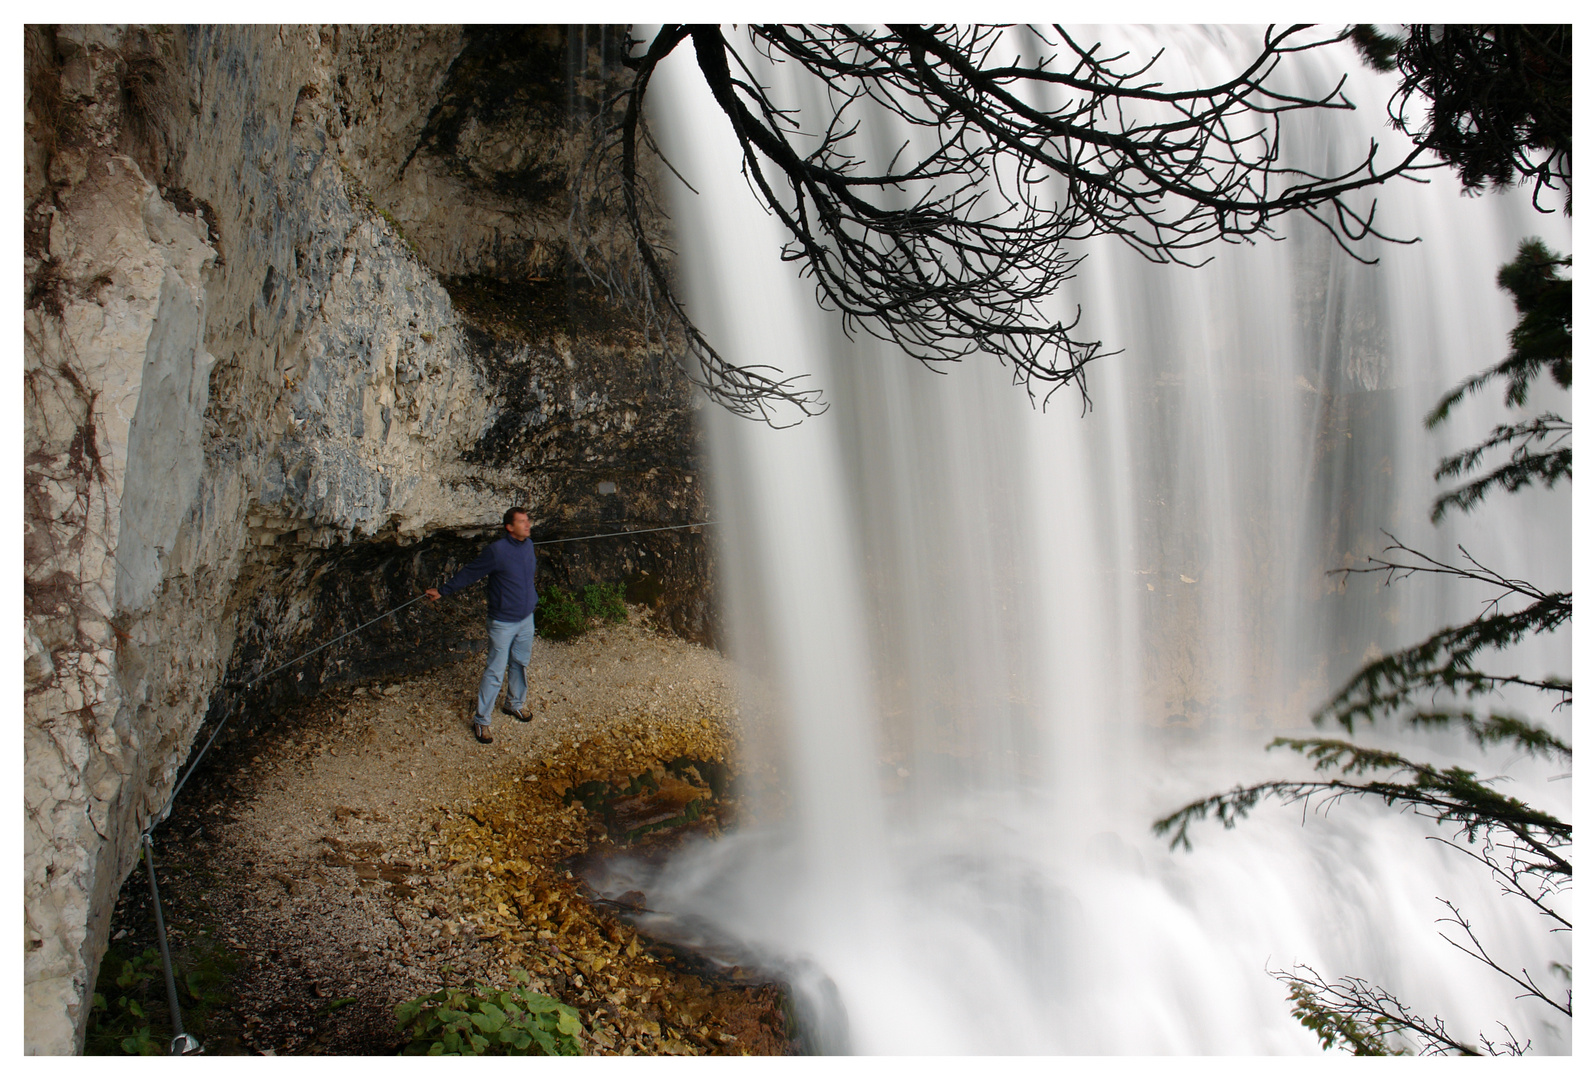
(129, 1011)
(483, 1020)
(564, 615)
(119, 1023)
(1366, 1020)
(1357, 1035)
(605, 601)
(560, 615)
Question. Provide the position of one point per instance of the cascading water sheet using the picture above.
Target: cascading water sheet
(989, 644)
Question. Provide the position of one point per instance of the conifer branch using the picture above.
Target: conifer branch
(1443, 662)
(1542, 340)
(1495, 101)
(1523, 468)
(1495, 729)
(1499, 99)
(1453, 795)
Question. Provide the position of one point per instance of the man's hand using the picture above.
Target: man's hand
(433, 594)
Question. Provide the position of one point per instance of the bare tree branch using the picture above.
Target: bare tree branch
(1533, 880)
(1366, 1019)
(954, 239)
(1523, 979)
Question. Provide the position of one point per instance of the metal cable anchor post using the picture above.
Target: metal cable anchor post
(182, 1042)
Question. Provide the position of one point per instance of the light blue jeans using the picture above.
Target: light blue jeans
(507, 642)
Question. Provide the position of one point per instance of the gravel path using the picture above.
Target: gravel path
(358, 851)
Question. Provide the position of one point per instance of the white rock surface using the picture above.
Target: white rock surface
(347, 398)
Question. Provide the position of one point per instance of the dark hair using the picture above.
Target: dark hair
(509, 515)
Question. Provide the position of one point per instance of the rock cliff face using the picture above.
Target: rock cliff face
(301, 321)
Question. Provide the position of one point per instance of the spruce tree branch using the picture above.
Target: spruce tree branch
(1453, 795)
(1495, 102)
(1523, 468)
(1547, 426)
(1495, 729)
(1445, 661)
(1542, 341)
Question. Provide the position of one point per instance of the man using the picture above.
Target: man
(510, 564)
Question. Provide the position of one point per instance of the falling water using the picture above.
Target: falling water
(987, 645)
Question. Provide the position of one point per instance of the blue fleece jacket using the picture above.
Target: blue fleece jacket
(511, 567)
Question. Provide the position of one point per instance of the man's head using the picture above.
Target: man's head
(517, 523)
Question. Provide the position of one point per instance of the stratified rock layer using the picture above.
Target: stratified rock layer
(257, 417)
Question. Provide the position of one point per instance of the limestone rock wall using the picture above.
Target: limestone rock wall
(299, 325)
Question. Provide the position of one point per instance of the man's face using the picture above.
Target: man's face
(520, 527)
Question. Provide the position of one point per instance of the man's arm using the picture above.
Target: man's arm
(478, 569)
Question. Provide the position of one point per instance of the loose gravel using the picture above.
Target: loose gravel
(364, 849)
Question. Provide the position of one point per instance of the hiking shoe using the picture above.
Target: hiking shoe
(482, 731)
(523, 714)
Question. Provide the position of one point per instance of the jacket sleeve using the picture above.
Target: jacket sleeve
(478, 569)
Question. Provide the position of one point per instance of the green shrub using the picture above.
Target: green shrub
(560, 615)
(487, 1021)
(607, 602)
(563, 615)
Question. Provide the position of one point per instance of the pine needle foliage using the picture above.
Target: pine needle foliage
(1542, 343)
(1495, 101)
(1524, 467)
(1452, 795)
(1445, 663)
(1543, 339)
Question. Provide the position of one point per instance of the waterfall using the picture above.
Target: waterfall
(987, 645)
